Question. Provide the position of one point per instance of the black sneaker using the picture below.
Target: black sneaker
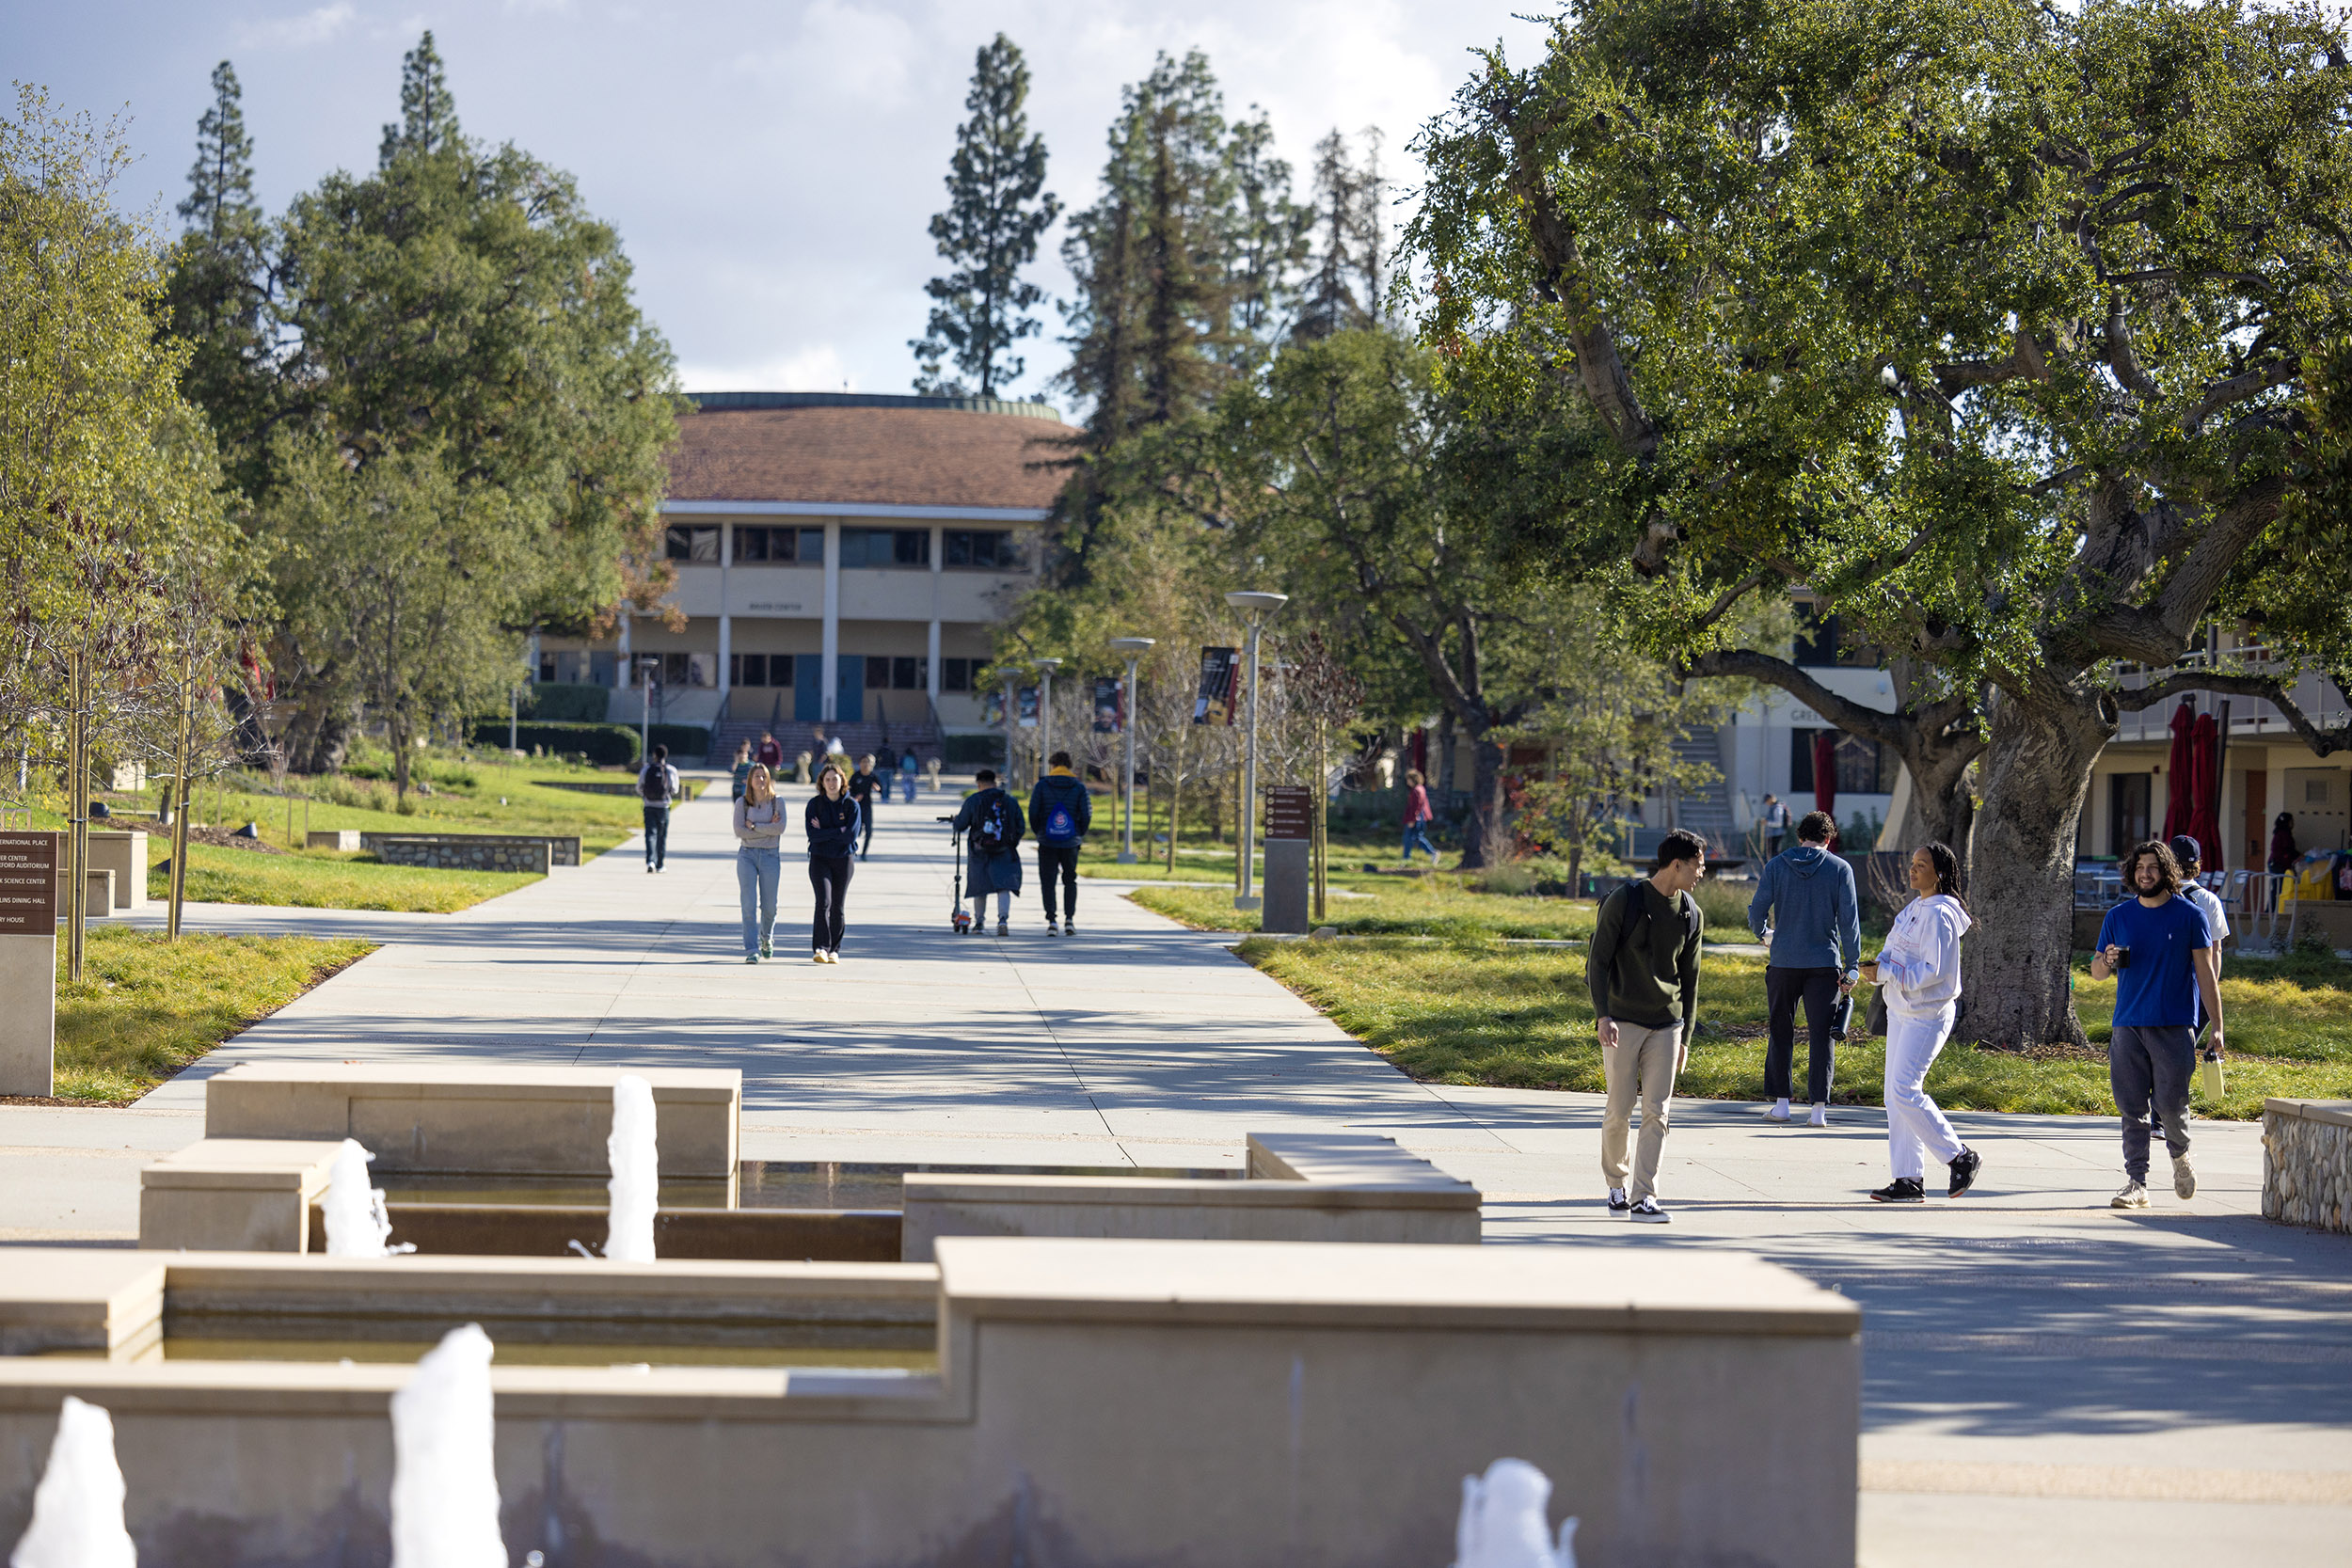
(1647, 1212)
(1903, 1189)
(1618, 1202)
(1965, 1171)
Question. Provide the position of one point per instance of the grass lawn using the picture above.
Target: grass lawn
(321, 879)
(145, 1007)
(1472, 1011)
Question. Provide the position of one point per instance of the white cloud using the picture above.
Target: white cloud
(311, 28)
(818, 367)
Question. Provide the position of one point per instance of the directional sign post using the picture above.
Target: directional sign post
(28, 962)
(1290, 826)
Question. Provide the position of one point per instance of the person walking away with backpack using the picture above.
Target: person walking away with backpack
(740, 778)
(1919, 970)
(1061, 810)
(1805, 906)
(657, 788)
(1417, 817)
(1644, 970)
(1773, 820)
(907, 765)
(992, 817)
(831, 818)
(759, 861)
(2162, 957)
(864, 786)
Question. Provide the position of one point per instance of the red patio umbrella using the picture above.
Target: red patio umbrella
(2178, 765)
(1825, 773)
(2205, 817)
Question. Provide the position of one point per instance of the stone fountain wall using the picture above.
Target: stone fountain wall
(2306, 1162)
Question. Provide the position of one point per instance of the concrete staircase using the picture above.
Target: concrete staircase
(1707, 809)
(895, 734)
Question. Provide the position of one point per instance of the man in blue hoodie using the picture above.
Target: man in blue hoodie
(1061, 812)
(1805, 906)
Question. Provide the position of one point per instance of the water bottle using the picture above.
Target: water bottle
(2210, 1075)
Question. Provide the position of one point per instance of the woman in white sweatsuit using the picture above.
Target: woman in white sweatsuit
(1920, 967)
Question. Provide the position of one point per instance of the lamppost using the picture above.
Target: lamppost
(1135, 648)
(648, 671)
(1045, 714)
(1257, 607)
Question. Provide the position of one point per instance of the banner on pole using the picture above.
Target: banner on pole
(1219, 677)
(1027, 698)
(992, 709)
(1110, 705)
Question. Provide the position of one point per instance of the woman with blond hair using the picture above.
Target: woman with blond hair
(831, 820)
(759, 861)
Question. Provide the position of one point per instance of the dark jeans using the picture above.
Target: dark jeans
(1064, 860)
(1783, 988)
(2150, 1068)
(657, 833)
(829, 875)
(866, 825)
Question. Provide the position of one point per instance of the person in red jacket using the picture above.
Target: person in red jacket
(1417, 817)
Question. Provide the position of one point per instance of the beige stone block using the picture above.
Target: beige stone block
(234, 1195)
(28, 1019)
(87, 1300)
(332, 838)
(122, 851)
(98, 892)
(521, 1120)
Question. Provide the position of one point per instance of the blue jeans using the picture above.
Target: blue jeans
(756, 872)
(1415, 832)
(906, 786)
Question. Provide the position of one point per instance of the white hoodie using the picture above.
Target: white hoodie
(1920, 966)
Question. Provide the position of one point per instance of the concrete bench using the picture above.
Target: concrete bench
(1301, 1187)
(345, 839)
(487, 1120)
(235, 1194)
(2306, 1162)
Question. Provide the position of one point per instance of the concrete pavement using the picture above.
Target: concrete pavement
(2049, 1380)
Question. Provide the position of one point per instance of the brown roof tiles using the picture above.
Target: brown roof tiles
(869, 456)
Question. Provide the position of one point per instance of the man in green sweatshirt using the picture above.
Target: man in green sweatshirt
(1644, 969)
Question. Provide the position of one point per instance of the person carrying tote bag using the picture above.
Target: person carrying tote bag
(1919, 972)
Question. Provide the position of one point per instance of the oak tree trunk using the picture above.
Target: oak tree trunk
(1943, 808)
(1485, 839)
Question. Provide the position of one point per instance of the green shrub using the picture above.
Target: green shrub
(554, 703)
(1724, 906)
(1515, 878)
(684, 740)
(605, 745)
(973, 750)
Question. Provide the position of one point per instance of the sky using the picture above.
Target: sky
(771, 168)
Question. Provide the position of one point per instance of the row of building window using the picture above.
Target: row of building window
(884, 672)
(982, 549)
(1863, 766)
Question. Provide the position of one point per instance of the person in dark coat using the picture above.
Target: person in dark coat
(1060, 810)
(993, 819)
(833, 821)
(865, 784)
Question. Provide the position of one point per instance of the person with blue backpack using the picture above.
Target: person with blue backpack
(992, 817)
(1061, 810)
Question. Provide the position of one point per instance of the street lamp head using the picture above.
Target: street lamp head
(1049, 665)
(1133, 644)
(1256, 604)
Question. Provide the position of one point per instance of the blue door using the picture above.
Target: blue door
(809, 691)
(849, 700)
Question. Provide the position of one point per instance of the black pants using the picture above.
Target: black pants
(829, 875)
(1064, 860)
(2150, 1069)
(657, 833)
(866, 826)
(1783, 988)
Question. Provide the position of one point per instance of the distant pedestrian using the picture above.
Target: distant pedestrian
(831, 818)
(864, 786)
(1644, 970)
(2161, 954)
(771, 754)
(657, 788)
(1773, 820)
(2282, 850)
(1805, 906)
(1417, 817)
(907, 767)
(759, 861)
(743, 765)
(1061, 810)
(1920, 967)
(992, 817)
(2186, 854)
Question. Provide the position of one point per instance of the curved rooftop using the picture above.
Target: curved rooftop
(872, 453)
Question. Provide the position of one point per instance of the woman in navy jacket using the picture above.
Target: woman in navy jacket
(833, 822)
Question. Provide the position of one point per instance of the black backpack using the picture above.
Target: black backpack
(994, 830)
(653, 784)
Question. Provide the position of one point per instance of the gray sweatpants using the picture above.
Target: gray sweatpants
(2152, 1066)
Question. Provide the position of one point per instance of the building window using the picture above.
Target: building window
(546, 667)
(2128, 812)
(759, 670)
(690, 544)
(909, 674)
(689, 669)
(983, 549)
(801, 547)
(885, 546)
(1863, 766)
(955, 674)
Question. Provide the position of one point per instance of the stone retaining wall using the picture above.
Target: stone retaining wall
(2306, 1162)
(473, 851)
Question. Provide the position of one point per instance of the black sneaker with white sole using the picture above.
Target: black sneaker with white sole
(1647, 1212)
(1965, 1171)
(1618, 1202)
(1903, 1189)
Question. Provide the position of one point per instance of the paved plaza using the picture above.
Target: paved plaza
(2049, 1381)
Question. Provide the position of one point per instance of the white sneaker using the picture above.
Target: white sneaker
(2133, 1196)
(1053, 927)
(1618, 1202)
(1819, 1117)
(817, 955)
(1776, 1110)
(2183, 1178)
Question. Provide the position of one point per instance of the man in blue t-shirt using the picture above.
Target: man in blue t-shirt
(2161, 952)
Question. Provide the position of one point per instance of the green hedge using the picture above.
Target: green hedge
(605, 745)
(973, 750)
(553, 704)
(684, 740)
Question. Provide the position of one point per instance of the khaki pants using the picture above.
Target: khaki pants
(1643, 1062)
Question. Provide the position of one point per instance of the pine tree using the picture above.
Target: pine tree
(1347, 280)
(998, 207)
(1268, 246)
(220, 289)
(428, 116)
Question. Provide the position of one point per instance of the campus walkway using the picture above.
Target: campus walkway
(2049, 1381)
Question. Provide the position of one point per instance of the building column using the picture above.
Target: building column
(530, 657)
(726, 622)
(939, 555)
(831, 677)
